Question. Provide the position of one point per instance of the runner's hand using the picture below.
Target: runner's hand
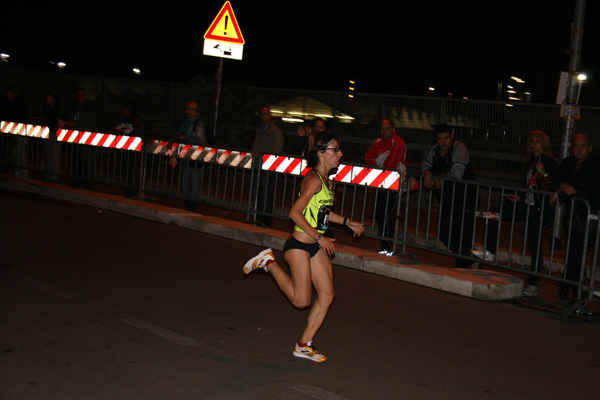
(327, 245)
(356, 227)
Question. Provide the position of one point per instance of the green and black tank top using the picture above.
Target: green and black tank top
(317, 209)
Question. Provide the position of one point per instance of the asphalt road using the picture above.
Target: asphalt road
(99, 305)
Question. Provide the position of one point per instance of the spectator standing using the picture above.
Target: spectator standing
(387, 151)
(192, 131)
(53, 116)
(541, 174)
(267, 139)
(15, 110)
(450, 159)
(306, 134)
(579, 176)
(81, 116)
(130, 124)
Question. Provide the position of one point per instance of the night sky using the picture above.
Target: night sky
(396, 49)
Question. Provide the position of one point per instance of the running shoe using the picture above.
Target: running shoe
(484, 255)
(584, 311)
(530, 291)
(309, 352)
(259, 261)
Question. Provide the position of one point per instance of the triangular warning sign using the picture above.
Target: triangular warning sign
(225, 27)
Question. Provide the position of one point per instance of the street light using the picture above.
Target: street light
(351, 88)
(61, 65)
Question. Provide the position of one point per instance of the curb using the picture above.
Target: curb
(477, 284)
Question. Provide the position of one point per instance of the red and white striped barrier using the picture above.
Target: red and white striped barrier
(373, 177)
(108, 140)
(226, 157)
(19, 129)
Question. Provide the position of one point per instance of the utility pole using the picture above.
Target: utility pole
(571, 97)
(573, 84)
(217, 96)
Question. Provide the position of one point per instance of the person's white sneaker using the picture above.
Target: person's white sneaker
(259, 261)
(309, 352)
(530, 291)
(484, 255)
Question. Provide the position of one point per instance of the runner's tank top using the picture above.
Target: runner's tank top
(317, 209)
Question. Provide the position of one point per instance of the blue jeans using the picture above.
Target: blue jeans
(191, 180)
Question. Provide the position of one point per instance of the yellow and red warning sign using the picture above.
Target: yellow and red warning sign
(224, 37)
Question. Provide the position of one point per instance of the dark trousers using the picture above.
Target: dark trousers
(457, 216)
(83, 170)
(535, 220)
(385, 213)
(575, 258)
(4, 146)
(130, 161)
(191, 180)
(265, 197)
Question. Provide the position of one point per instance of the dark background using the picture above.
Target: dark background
(399, 48)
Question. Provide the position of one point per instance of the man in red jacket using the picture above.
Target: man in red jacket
(387, 151)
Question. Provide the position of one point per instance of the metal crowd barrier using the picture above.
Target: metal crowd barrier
(139, 165)
(230, 179)
(219, 177)
(509, 231)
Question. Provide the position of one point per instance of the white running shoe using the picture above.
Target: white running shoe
(259, 261)
(309, 352)
(530, 291)
(484, 255)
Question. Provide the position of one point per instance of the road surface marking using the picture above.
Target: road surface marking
(317, 393)
(157, 330)
(46, 288)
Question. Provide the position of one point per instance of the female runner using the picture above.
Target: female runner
(308, 251)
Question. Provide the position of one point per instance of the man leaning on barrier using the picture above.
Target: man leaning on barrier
(81, 116)
(389, 151)
(306, 135)
(579, 177)
(449, 159)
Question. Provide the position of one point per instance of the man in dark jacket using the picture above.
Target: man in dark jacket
(579, 177)
(12, 109)
(449, 159)
(81, 116)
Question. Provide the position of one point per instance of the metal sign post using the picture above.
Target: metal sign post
(223, 39)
